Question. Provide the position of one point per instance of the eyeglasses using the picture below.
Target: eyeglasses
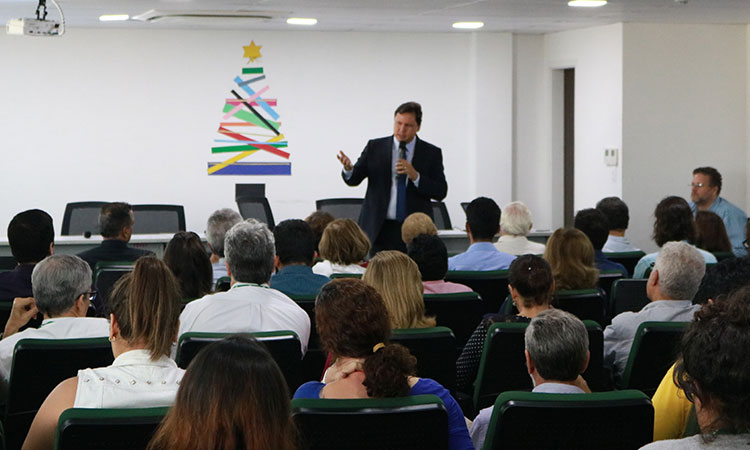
(697, 185)
(90, 294)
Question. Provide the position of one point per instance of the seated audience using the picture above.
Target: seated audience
(674, 222)
(482, 223)
(557, 353)
(318, 222)
(396, 278)
(31, 238)
(352, 321)
(670, 288)
(219, 222)
(187, 259)
(431, 256)
(62, 293)
(343, 248)
(710, 233)
(618, 218)
(116, 227)
(714, 373)
(244, 405)
(515, 225)
(145, 308)
(415, 224)
(295, 254)
(531, 287)
(594, 225)
(248, 306)
(571, 258)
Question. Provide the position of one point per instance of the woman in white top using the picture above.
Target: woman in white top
(343, 247)
(144, 319)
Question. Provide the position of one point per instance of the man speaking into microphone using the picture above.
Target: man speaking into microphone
(404, 173)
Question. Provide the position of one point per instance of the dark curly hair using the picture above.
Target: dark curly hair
(722, 278)
(674, 221)
(431, 256)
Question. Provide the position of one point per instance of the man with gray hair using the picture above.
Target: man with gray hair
(673, 282)
(249, 305)
(216, 229)
(557, 353)
(61, 285)
(515, 224)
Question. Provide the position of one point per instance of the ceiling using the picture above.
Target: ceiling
(518, 16)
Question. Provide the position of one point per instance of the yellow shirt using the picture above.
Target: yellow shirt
(671, 409)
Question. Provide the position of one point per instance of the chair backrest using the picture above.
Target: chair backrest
(333, 276)
(607, 279)
(586, 304)
(80, 217)
(594, 373)
(654, 350)
(460, 312)
(341, 208)
(464, 205)
(283, 345)
(404, 423)
(257, 208)
(153, 219)
(223, 284)
(440, 216)
(612, 420)
(106, 274)
(628, 295)
(491, 285)
(627, 259)
(113, 429)
(721, 256)
(435, 350)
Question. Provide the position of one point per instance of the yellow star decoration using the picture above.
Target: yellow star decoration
(252, 51)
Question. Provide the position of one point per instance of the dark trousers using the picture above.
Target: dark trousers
(389, 238)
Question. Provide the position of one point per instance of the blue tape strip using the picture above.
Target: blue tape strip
(258, 100)
(254, 169)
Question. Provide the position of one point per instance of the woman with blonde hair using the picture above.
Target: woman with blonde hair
(416, 224)
(571, 256)
(396, 277)
(343, 247)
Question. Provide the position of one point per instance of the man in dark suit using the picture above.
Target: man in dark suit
(404, 174)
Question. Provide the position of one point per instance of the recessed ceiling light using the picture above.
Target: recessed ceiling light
(468, 25)
(587, 3)
(301, 21)
(114, 17)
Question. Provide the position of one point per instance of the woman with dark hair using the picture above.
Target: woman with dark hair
(233, 396)
(353, 326)
(572, 259)
(710, 233)
(431, 256)
(190, 264)
(531, 287)
(673, 222)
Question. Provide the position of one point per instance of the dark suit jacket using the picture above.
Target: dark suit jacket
(112, 250)
(375, 163)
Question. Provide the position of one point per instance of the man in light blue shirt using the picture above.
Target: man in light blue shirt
(618, 216)
(482, 223)
(706, 187)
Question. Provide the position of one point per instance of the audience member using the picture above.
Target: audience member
(415, 224)
(482, 223)
(431, 256)
(714, 373)
(31, 238)
(219, 222)
(242, 405)
(189, 263)
(145, 308)
(515, 224)
(722, 278)
(396, 278)
(706, 187)
(531, 287)
(295, 254)
(116, 227)
(318, 222)
(343, 248)
(594, 225)
(557, 353)
(710, 233)
(671, 286)
(247, 306)
(352, 321)
(618, 218)
(673, 222)
(571, 257)
(62, 293)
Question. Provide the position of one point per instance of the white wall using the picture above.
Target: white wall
(685, 105)
(131, 115)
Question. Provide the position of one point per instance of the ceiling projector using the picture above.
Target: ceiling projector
(33, 27)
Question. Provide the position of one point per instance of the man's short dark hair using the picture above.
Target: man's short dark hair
(431, 256)
(594, 225)
(712, 174)
(30, 234)
(483, 217)
(295, 242)
(616, 211)
(113, 218)
(410, 107)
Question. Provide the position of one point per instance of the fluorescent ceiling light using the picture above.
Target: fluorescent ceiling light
(301, 21)
(468, 25)
(114, 17)
(587, 3)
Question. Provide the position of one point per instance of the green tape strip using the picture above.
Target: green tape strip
(252, 70)
(247, 116)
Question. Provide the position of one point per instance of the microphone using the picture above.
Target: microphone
(87, 234)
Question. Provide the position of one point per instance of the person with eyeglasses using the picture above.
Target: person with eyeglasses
(705, 190)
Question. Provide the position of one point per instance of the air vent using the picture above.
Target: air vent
(206, 17)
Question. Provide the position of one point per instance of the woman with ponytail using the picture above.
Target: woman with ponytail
(354, 327)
